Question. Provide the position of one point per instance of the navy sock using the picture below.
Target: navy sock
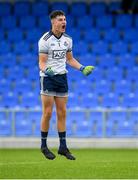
(62, 138)
(44, 139)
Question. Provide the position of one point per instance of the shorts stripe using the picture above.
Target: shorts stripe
(54, 94)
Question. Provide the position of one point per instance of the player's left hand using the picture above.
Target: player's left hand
(86, 70)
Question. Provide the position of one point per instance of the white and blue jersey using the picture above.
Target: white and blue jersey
(56, 48)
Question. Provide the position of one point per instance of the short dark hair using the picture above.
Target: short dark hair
(56, 13)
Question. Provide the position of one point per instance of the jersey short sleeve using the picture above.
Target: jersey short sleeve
(43, 46)
(70, 45)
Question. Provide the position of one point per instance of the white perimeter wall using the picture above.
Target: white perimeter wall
(72, 142)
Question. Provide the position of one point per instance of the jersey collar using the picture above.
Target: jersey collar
(55, 35)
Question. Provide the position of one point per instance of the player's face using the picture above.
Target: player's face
(59, 24)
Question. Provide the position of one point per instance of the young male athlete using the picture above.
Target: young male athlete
(55, 50)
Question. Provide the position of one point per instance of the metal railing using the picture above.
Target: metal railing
(105, 112)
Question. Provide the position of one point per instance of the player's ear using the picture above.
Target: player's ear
(52, 21)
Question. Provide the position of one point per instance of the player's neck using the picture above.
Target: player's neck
(56, 33)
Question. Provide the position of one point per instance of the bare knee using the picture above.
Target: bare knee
(61, 113)
(46, 115)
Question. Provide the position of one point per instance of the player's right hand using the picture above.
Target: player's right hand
(49, 72)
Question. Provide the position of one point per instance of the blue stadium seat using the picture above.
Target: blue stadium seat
(122, 87)
(32, 72)
(114, 7)
(27, 22)
(35, 117)
(2, 115)
(40, 9)
(83, 129)
(9, 57)
(103, 87)
(92, 35)
(72, 76)
(71, 23)
(5, 9)
(134, 87)
(110, 101)
(118, 116)
(118, 125)
(126, 129)
(114, 74)
(2, 35)
(5, 127)
(89, 102)
(21, 114)
(28, 60)
(80, 48)
(132, 75)
(4, 86)
(34, 49)
(100, 48)
(87, 59)
(21, 48)
(23, 127)
(134, 120)
(76, 36)
(104, 22)
(15, 35)
(119, 48)
(96, 75)
(106, 61)
(44, 23)
(136, 21)
(134, 48)
(13, 74)
(9, 101)
(33, 35)
(53, 132)
(76, 116)
(130, 35)
(97, 9)
(30, 101)
(5, 47)
(21, 84)
(60, 5)
(112, 35)
(9, 22)
(111, 128)
(130, 101)
(72, 120)
(73, 101)
(96, 119)
(81, 87)
(126, 19)
(89, 21)
(82, 9)
(22, 8)
(126, 61)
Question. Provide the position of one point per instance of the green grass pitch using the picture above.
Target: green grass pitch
(90, 164)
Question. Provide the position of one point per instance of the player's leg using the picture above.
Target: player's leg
(60, 103)
(47, 106)
(61, 126)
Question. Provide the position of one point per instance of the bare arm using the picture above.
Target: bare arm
(42, 61)
(72, 61)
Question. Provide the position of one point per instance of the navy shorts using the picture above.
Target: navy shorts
(54, 86)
